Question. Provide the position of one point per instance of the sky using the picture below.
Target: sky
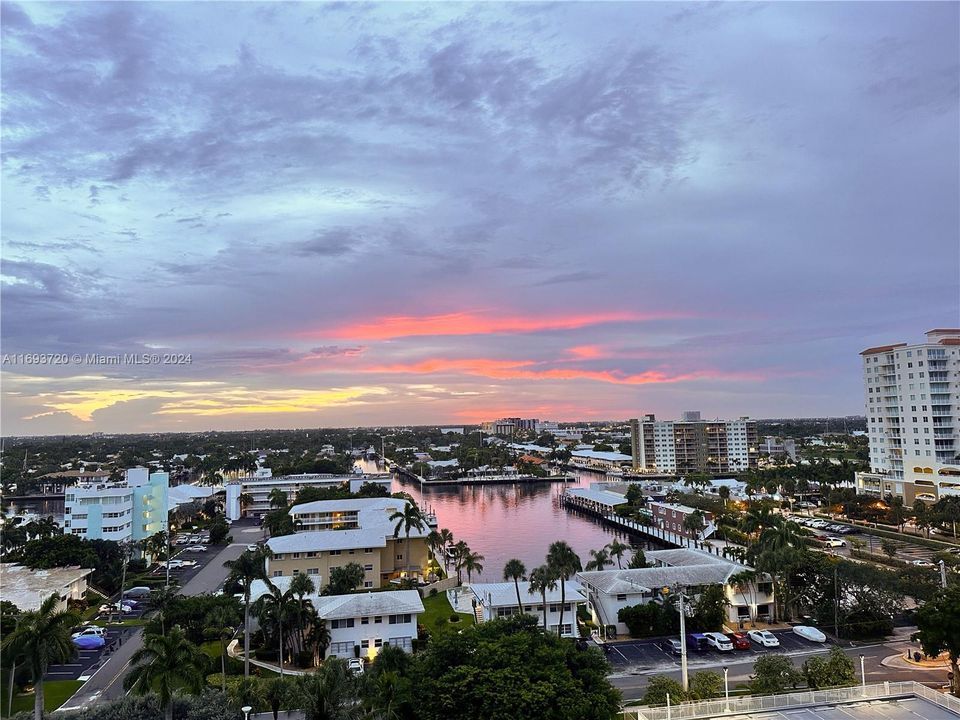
(340, 214)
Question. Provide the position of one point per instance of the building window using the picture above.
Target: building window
(335, 552)
(368, 583)
(313, 571)
(364, 621)
(621, 598)
(377, 619)
(378, 642)
(368, 566)
(365, 644)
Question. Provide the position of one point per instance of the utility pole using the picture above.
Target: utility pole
(683, 634)
(943, 575)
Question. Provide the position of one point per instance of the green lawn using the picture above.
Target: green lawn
(55, 694)
(437, 612)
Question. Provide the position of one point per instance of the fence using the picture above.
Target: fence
(755, 703)
(447, 583)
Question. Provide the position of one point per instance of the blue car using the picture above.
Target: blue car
(697, 642)
(89, 642)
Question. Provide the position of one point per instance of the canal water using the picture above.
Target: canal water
(514, 521)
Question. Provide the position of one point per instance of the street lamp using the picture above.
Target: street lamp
(726, 687)
(246, 711)
(863, 675)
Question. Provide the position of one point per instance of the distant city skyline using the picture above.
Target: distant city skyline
(355, 214)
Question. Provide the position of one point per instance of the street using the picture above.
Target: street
(206, 577)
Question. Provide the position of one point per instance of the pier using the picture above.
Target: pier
(500, 479)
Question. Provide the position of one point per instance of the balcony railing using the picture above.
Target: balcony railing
(809, 698)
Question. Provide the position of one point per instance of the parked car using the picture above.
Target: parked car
(719, 641)
(196, 548)
(355, 665)
(126, 606)
(90, 630)
(740, 640)
(922, 563)
(810, 633)
(252, 548)
(672, 646)
(764, 637)
(697, 642)
(137, 592)
(834, 542)
(89, 642)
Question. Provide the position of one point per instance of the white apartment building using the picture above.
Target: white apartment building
(260, 486)
(361, 623)
(693, 445)
(912, 398)
(498, 600)
(608, 591)
(132, 509)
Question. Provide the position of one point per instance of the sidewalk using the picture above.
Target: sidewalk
(461, 599)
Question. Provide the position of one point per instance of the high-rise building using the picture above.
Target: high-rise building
(912, 396)
(697, 446)
(132, 509)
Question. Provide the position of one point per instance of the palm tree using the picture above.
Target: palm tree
(742, 581)
(245, 569)
(330, 693)
(601, 558)
(410, 518)
(246, 500)
(275, 693)
(542, 580)
(318, 636)
(472, 563)
(515, 570)
(220, 622)
(278, 499)
(300, 586)
(42, 637)
(164, 664)
(447, 540)
(617, 550)
(460, 550)
(270, 610)
(161, 599)
(724, 492)
(564, 563)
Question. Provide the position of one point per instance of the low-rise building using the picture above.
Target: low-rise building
(132, 509)
(331, 533)
(599, 460)
(57, 482)
(779, 447)
(28, 589)
(673, 516)
(499, 600)
(259, 487)
(609, 591)
(362, 622)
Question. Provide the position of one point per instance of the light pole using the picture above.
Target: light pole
(726, 687)
(863, 674)
(683, 635)
(246, 712)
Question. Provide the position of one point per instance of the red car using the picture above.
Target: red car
(739, 640)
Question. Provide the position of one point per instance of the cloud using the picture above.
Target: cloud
(574, 277)
(335, 242)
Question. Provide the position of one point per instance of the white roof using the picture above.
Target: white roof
(604, 497)
(333, 607)
(505, 593)
(599, 455)
(317, 540)
(27, 589)
(382, 504)
(683, 566)
(686, 509)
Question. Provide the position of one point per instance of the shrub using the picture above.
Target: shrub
(433, 592)
(266, 654)
(304, 659)
(454, 618)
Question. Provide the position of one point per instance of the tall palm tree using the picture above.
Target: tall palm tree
(244, 570)
(164, 664)
(331, 693)
(246, 500)
(515, 570)
(542, 581)
(42, 637)
(601, 558)
(460, 550)
(617, 550)
(446, 536)
(742, 581)
(318, 636)
(564, 564)
(410, 518)
(724, 492)
(278, 499)
(270, 609)
(472, 563)
(161, 599)
(300, 586)
(220, 622)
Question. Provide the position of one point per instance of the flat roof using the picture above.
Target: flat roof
(351, 605)
(603, 497)
(505, 593)
(27, 589)
(898, 709)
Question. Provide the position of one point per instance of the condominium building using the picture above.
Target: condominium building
(258, 487)
(132, 509)
(672, 517)
(507, 426)
(609, 591)
(331, 533)
(912, 398)
(693, 445)
(499, 600)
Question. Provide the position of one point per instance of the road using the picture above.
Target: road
(107, 681)
(740, 664)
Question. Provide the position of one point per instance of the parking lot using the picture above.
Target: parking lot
(643, 655)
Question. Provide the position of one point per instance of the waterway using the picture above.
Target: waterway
(514, 521)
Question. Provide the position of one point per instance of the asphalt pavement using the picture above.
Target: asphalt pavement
(208, 575)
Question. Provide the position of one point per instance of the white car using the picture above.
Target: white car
(196, 548)
(922, 563)
(834, 542)
(113, 608)
(719, 641)
(764, 637)
(355, 665)
(252, 548)
(809, 633)
(92, 630)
